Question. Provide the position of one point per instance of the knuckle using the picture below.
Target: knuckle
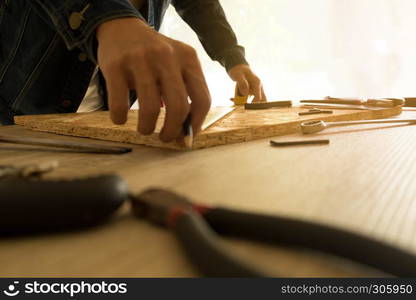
(190, 57)
(189, 63)
(190, 51)
(256, 80)
(162, 50)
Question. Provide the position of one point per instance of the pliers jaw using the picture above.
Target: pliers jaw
(156, 205)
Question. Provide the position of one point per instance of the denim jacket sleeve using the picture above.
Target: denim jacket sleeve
(208, 20)
(76, 20)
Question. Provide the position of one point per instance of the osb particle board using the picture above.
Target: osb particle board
(239, 126)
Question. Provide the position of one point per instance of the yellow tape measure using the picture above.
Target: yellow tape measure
(238, 98)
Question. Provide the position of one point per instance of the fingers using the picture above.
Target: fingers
(242, 84)
(174, 83)
(200, 97)
(263, 95)
(118, 95)
(131, 55)
(248, 83)
(149, 98)
(201, 102)
(177, 105)
(177, 87)
(149, 101)
(255, 86)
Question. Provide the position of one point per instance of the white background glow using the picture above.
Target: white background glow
(314, 48)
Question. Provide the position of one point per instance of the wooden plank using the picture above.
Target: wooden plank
(239, 126)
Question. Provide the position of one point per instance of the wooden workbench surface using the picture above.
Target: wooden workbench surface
(365, 180)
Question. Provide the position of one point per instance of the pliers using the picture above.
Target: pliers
(31, 205)
(197, 227)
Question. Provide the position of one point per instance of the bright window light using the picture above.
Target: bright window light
(306, 49)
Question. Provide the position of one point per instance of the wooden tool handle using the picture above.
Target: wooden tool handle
(410, 102)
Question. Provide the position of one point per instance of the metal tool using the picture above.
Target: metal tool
(34, 206)
(212, 119)
(188, 134)
(244, 100)
(198, 229)
(319, 125)
(78, 146)
(27, 171)
(270, 104)
(298, 143)
(314, 111)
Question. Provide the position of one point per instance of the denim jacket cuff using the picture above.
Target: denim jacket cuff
(76, 21)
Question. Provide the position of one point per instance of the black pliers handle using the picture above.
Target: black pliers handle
(34, 205)
(197, 228)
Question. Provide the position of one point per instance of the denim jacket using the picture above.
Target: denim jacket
(48, 47)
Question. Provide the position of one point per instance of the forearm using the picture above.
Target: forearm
(76, 21)
(208, 20)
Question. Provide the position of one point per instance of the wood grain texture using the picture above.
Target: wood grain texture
(239, 126)
(364, 181)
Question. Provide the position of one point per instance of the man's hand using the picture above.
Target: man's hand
(131, 55)
(248, 83)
